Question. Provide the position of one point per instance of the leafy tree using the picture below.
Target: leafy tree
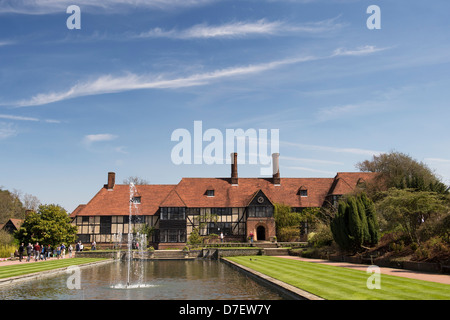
(354, 225)
(289, 223)
(285, 217)
(10, 206)
(408, 210)
(398, 170)
(49, 225)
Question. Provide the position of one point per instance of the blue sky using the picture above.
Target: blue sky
(75, 104)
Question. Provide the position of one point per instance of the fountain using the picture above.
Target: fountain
(140, 240)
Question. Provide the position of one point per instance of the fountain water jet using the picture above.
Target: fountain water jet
(130, 234)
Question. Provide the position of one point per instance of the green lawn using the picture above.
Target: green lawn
(338, 283)
(32, 267)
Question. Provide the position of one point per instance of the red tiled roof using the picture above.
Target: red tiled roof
(77, 210)
(191, 192)
(173, 200)
(116, 201)
(346, 182)
(17, 222)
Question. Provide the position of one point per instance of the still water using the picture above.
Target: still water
(151, 280)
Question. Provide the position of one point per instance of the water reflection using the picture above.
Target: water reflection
(194, 280)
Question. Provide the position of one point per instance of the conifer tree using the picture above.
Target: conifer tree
(355, 223)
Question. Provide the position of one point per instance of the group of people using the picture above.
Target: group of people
(42, 252)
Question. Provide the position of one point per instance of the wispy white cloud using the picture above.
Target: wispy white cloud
(111, 84)
(314, 161)
(438, 160)
(357, 52)
(92, 138)
(243, 29)
(22, 118)
(310, 170)
(19, 118)
(7, 130)
(40, 7)
(357, 151)
(6, 43)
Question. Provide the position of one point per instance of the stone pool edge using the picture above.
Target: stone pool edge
(47, 273)
(280, 286)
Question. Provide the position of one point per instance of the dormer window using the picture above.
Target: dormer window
(210, 193)
(136, 200)
(302, 191)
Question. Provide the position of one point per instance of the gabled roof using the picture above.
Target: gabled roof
(15, 222)
(346, 182)
(190, 192)
(77, 210)
(173, 200)
(116, 201)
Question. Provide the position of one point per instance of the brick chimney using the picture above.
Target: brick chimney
(276, 168)
(111, 180)
(234, 174)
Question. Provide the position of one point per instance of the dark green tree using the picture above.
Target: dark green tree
(49, 225)
(354, 225)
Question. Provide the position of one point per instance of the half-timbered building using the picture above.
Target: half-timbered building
(236, 207)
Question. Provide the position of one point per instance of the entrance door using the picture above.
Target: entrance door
(261, 233)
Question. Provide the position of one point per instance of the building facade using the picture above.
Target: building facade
(236, 207)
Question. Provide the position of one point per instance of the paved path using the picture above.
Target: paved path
(24, 261)
(441, 278)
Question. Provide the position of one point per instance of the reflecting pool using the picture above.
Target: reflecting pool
(153, 280)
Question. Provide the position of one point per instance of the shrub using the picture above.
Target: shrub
(323, 237)
(195, 238)
(6, 250)
(286, 234)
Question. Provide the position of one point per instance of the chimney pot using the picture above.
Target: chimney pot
(276, 168)
(111, 180)
(234, 174)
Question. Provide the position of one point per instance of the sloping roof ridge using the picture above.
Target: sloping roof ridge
(254, 195)
(176, 193)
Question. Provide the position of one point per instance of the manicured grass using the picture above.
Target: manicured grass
(338, 283)
(32, 267)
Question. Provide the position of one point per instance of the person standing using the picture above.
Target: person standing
(44, 252)
(37, 251)
(70, 250)
(21, 249)
(29, 251)
(63, 250)
(221, 237)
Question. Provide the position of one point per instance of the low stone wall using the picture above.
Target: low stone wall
(97, 254)
(276, 252)
(216, 253)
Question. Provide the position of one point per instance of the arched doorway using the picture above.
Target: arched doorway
(261, 233)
